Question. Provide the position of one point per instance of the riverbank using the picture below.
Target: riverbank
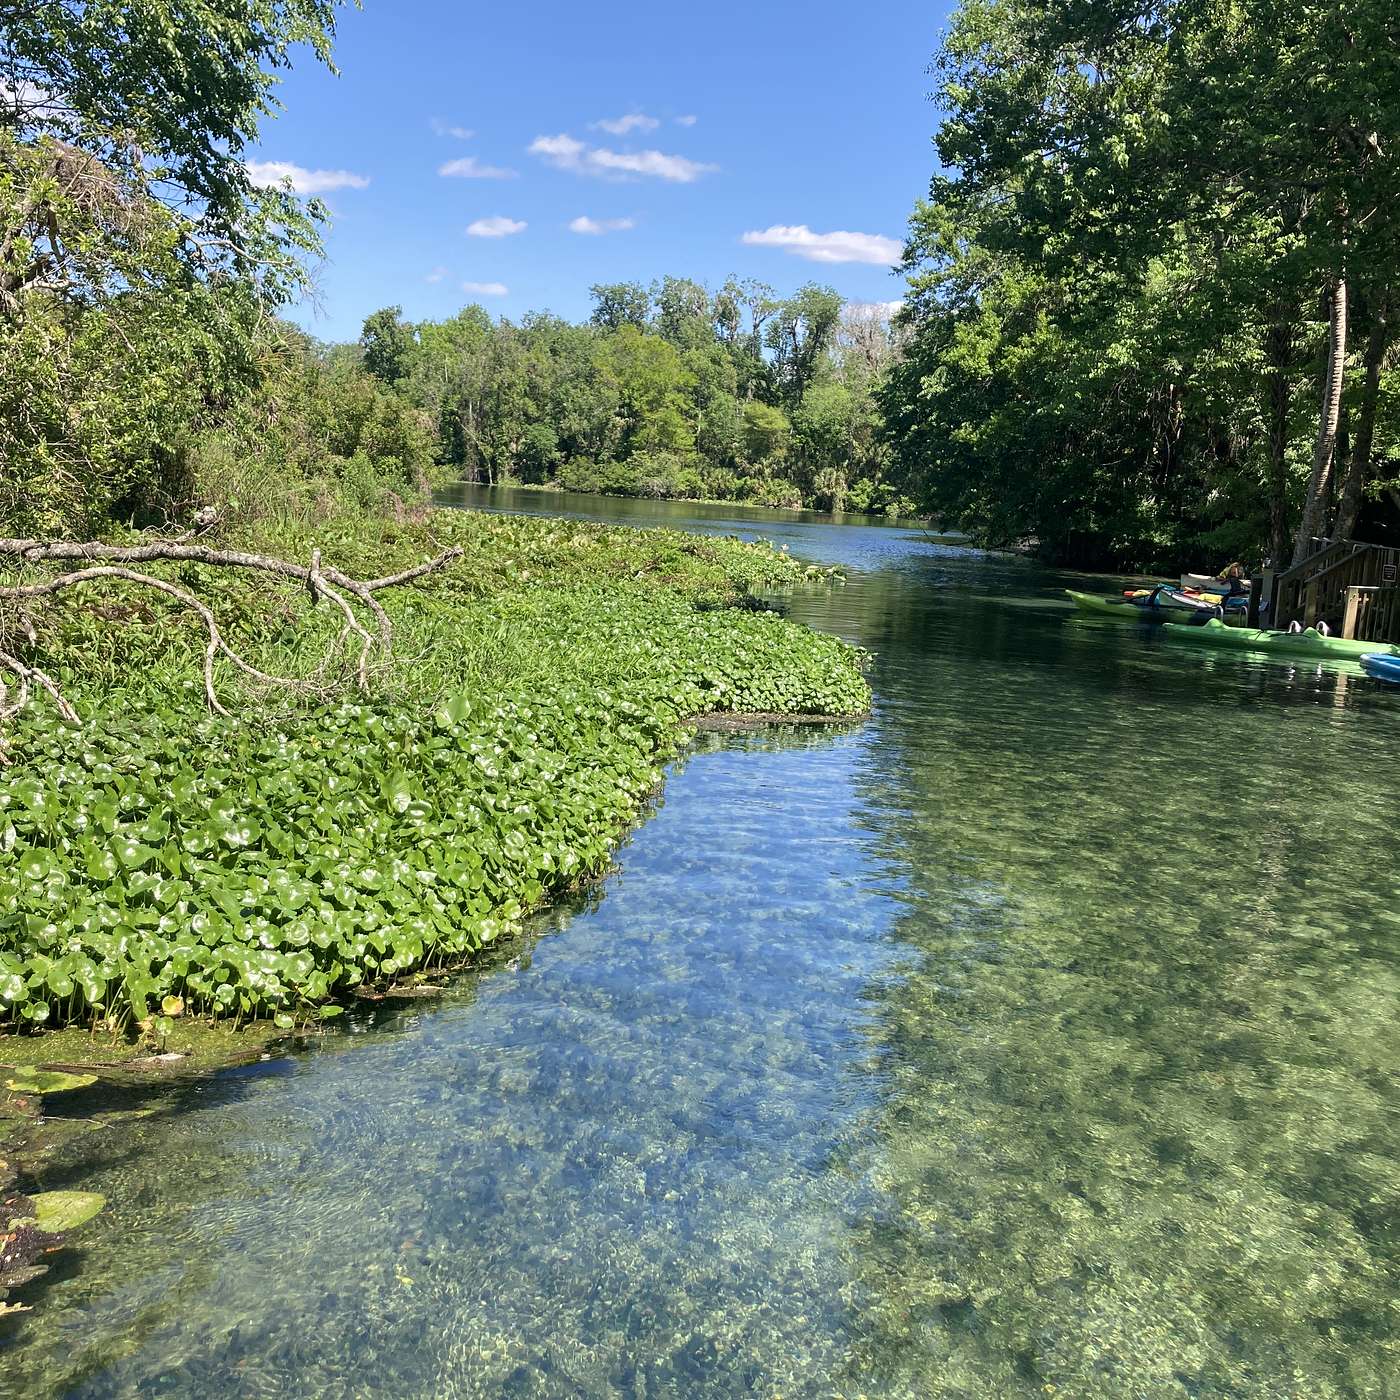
(272, 863)
(854, 517)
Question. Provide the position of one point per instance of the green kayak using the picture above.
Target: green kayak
(1151, 605)
(1310, 643)
(1114, 607)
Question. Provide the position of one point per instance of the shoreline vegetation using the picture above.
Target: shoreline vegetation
(181, 889)
(269, 863)
(548, 488)
(669, 391)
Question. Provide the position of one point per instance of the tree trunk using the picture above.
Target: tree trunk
(1376, 345)
(1279, 349)
(1325, 448)
(1341, 455)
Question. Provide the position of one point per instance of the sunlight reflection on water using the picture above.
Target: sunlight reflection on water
(1039, 1032)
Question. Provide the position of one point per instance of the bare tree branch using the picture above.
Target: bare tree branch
(332, 584)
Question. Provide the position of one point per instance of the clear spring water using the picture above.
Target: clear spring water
(1037, 1037)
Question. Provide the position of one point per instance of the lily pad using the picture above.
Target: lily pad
(44, 1081)
(60, 1211)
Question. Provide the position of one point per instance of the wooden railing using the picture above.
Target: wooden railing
(1372, 614)
(1318, 589)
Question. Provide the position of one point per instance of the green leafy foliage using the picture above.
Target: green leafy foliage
(1117, 316)
(57, 1212)
(312, 433)
(186, 86)
(672, 392)
(259, 866)
(138, 261)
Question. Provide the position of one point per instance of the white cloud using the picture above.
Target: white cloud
(470, 168)
(568, 153)
(497, 226)
(583, 224)
(620, 126)
(687, 120)
(24, 97)
(885, 310)
(561, 150)
(486, 289)
(837, 247)
(283, 174)
(436, 275)
(458, 133)
(664, 167)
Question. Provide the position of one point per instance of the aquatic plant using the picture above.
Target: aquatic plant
(32, 1226)
(163, 862)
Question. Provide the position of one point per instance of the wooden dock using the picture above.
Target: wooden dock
(1351, 586)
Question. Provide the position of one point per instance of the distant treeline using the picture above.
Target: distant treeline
(667, 391)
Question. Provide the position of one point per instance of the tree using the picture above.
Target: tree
(1095, 155)
(652, 385)
(823, 443)
(178, 89)
(799, 335)
(683, 314)
(719, 410)
(445, 365)
(137, 260)
(618, 304)
(734, 302)
(388, 343)
(767, 433)
(111, 351)
(1359, 470)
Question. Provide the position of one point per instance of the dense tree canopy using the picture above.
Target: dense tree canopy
(1131, 282)
(138, 263)
(667, 391)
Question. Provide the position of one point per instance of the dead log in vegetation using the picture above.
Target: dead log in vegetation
(366, 629)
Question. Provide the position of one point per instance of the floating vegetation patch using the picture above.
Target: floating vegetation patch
(32, 1226)
(161, 863)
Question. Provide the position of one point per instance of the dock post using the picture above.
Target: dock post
(1261, 598)
(1351, 616)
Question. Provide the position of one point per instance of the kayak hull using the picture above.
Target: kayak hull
(1382, 667)
(1111, 607)
(1293, 644)
(1131, 610)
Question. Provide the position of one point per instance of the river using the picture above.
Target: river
(1037, 1036)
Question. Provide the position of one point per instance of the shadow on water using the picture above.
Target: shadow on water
(1039, 1033)
(1140, 1136)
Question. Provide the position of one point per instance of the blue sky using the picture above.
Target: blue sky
(788, 123)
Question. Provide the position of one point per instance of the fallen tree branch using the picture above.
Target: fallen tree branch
(28, 674)
(331, 584)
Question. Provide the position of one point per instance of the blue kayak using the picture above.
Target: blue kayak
(1383, 668)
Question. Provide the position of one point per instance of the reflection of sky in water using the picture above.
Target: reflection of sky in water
(1040, 1032)
(858, 541)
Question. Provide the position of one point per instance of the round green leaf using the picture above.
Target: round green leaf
(45, 1081)
(60, 1211)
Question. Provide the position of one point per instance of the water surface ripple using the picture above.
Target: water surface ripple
(1036, 1037)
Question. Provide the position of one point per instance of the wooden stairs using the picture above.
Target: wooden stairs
(1353, 587)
